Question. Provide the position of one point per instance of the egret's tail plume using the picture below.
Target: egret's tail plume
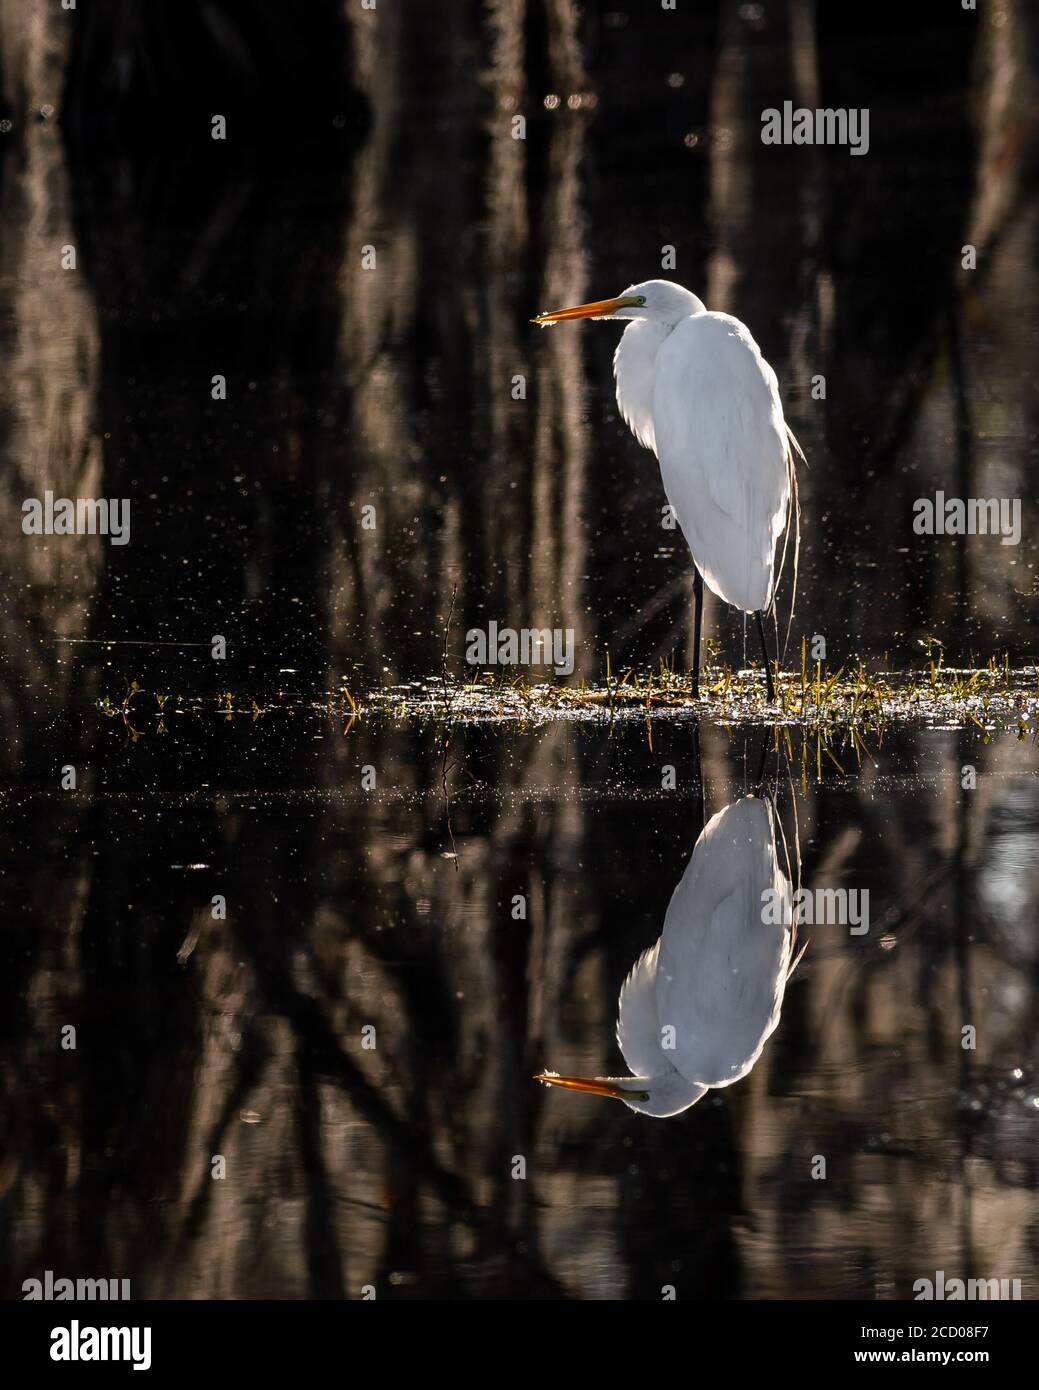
(793, 513)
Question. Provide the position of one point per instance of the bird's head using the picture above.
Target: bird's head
(658, 301)
(661, 1096)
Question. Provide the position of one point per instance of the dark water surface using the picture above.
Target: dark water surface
(393, 1166)
(354, 904)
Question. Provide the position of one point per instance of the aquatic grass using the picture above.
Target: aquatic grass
(856, 701)
(846, 707)
(821, 721)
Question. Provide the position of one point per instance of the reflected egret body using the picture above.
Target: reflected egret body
(699, 1005)
(693, 386)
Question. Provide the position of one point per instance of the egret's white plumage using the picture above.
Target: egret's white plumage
(699, 1005)
(693, 386)
(724, 454)
(722, 969)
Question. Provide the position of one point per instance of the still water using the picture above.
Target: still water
(307, 1008)
(393, 1166)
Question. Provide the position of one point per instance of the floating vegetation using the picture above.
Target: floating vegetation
(842, 707)
(848, 704)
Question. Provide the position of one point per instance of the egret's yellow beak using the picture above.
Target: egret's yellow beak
(598, 309)
(591, 1085)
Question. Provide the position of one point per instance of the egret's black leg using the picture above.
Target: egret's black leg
(697, 626)
(764, 652)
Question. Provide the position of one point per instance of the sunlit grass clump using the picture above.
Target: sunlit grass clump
(839, 709)
(852, 700)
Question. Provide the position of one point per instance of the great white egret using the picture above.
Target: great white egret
(693, 387)
(699, 1005)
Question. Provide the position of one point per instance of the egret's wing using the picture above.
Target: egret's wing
(724, 453)
(637, 1031)
(722, 970)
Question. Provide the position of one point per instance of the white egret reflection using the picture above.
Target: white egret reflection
(700, 1004)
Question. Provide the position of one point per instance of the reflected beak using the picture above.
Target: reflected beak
(591, 1085)
(598, 309)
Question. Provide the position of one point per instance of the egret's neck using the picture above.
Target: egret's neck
(669, 1093)
(634, 367)
(692, 305)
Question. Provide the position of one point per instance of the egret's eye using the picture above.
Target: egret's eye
(640, 299)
